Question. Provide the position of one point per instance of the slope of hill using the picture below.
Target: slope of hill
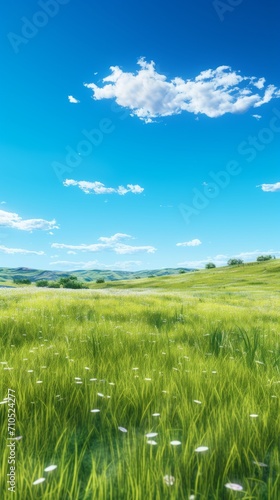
(7, 275)
(253, 275)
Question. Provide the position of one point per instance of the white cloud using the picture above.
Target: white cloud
(99, 188)
(10, 251)
(214, 92)
(258, 117)
(70, 252)
(9, 219)
(73, 100)
(112, 243)
(86, 265)
(247, 256)
(270, 188)
(3, 203)
(221, 260)
(192, 243)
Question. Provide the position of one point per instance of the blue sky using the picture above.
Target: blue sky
(139, 135)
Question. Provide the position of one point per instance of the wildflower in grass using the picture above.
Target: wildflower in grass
(100, 395)
(95, 410)
(87, 368)
(40, 480)
(254, 415)
(192, 497)
(197, 401)
(151, 434)
(92, 379)
(122, 429)
(234, 486)
(201, 449)
(78, 378)
(50, 468)
(150, 441)
(135, 368)
(112, 383)
(169, 480)
(260, 464)
(146, 378)
(175, 443)
(156, 415)
(39, 381)
(30, 371)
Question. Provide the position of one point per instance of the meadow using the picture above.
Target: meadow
(161, 388)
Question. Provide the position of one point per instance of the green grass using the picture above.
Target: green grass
(264, 275)
(198, 337)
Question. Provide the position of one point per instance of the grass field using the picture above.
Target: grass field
(191, 360)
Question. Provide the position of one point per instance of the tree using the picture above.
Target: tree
(235, 262)
(19, 281)
(71, 282)
(210, 265)
(263, 258)
(100, 280)
(42, 283)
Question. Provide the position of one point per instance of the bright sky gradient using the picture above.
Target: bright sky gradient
(139, 135)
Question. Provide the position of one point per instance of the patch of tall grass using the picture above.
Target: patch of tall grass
(203, 371)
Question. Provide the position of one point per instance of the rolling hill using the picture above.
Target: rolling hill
(7, 275)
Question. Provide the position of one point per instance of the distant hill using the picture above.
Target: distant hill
(9, 274)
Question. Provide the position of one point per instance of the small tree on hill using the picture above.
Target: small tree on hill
(210, 265)
(263, 258)
(235, 262)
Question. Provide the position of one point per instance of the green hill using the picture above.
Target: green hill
(7, 275)
(253, 275)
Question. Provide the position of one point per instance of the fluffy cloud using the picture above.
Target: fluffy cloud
(270, 188)
(214, 92)
(10, 251)
(86, 265)
(9, 219)
(99, 188)
(192, 243)
(113, 243)
(73, 100)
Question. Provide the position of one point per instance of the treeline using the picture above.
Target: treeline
(68, 282)
(239, 262)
